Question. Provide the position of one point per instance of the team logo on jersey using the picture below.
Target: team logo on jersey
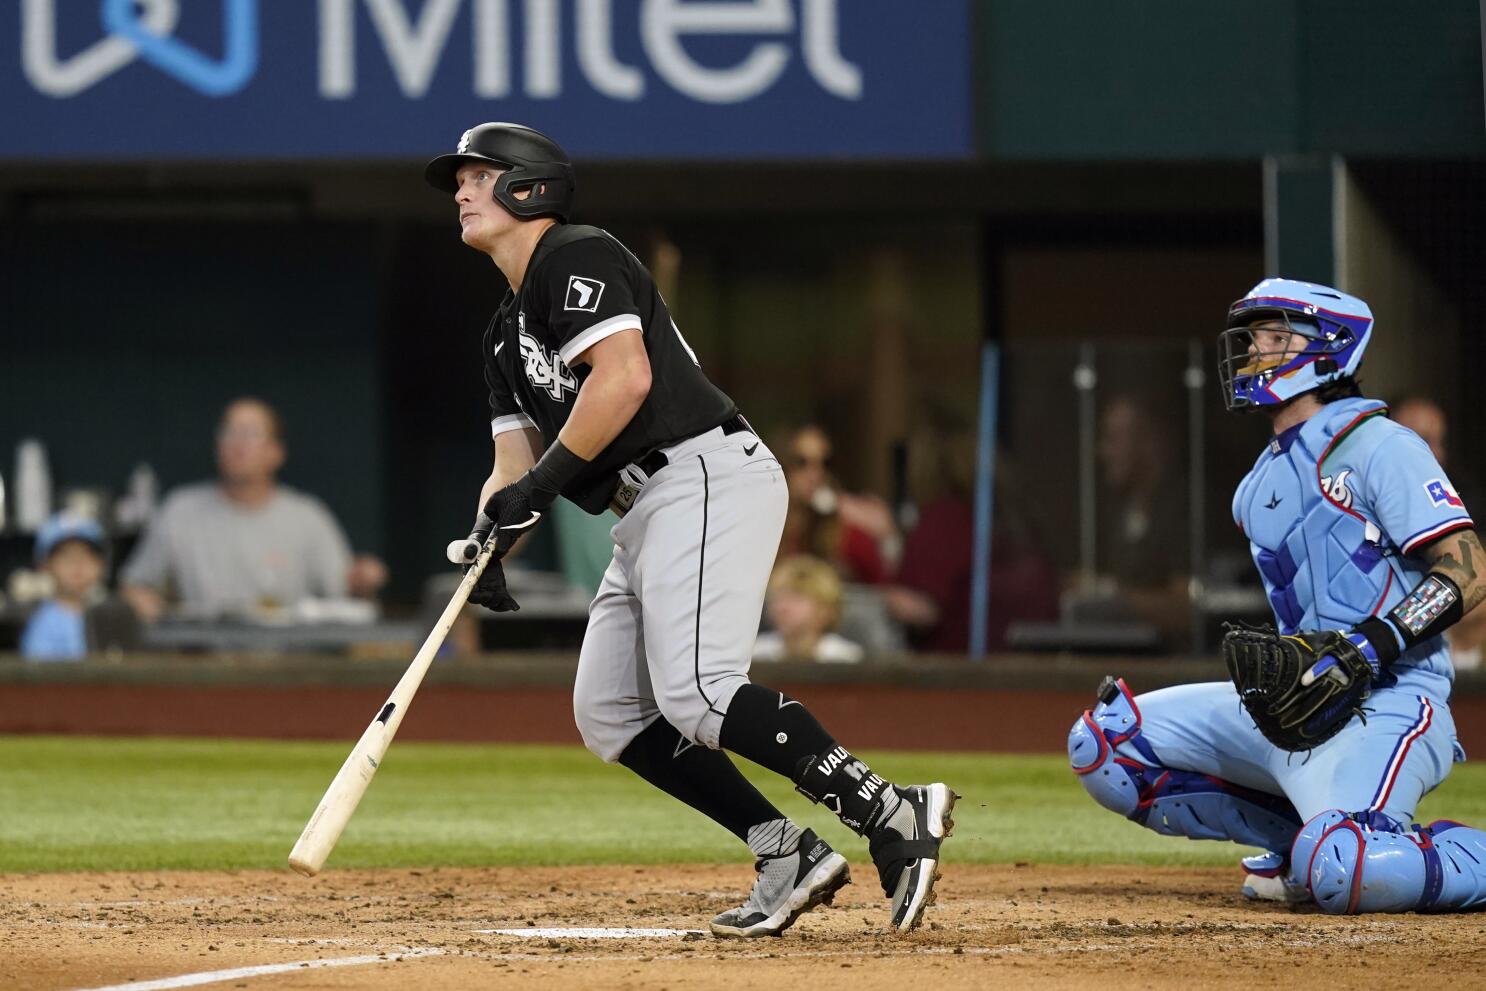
(1441, 494)
(583, 294)
(546, 371)
(1335, 489)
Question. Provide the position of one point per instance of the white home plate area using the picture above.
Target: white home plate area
(408, 953)
(263, 970)
(587, 933)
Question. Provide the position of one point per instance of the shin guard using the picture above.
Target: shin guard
(1123, 773)
(1365, 862)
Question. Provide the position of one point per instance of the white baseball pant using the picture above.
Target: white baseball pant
(672, 628)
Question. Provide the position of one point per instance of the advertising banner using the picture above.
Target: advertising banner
(625, 79)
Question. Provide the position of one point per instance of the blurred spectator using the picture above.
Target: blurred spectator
(932, 596)
(1426, 418)
(244, 545)
(72, 551)
(804, 607)
(1142, 526)
(853, 532)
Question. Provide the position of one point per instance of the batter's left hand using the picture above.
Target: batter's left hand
(515, 510)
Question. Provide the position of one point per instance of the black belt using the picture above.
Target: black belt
(656, 460)
(653, 461)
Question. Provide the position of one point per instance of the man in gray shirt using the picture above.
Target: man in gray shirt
(244, 545)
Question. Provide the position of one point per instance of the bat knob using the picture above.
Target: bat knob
(462, 551)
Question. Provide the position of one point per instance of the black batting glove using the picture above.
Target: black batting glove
(463, 552)
(490, 590)
(517, 507)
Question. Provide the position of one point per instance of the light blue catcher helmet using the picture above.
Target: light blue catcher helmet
(1336, 327)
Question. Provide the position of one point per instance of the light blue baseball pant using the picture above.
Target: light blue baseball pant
(1189, 761)
(1403, 750)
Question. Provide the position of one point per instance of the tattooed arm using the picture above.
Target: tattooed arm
(1454, 586)
(1459, 557)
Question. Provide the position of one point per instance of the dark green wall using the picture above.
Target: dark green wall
(1156, 79)
(121, 342)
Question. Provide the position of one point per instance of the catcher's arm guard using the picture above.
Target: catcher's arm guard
(1300, 690)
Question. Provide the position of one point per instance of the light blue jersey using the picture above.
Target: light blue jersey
(1332, 510)
(54, 633)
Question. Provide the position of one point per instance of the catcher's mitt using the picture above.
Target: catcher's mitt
(1297, 701)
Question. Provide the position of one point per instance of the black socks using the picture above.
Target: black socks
(702, 778)
(777, 732)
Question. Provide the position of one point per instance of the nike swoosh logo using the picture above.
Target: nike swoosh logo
(748, 451)
(497, 349)
(783, 703)
(524, 525)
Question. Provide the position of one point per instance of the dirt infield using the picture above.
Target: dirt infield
(1025, 926)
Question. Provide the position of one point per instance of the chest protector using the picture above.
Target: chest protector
(1325, 563)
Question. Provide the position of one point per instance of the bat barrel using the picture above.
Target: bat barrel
(335, 810)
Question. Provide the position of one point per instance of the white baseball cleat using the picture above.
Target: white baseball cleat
(788, 886)
(905, 848)
(1266, 879)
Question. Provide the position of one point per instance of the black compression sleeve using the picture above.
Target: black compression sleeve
(702, 778)
(557, 467)
(1430, 609)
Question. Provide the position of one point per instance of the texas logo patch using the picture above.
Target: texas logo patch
(583, 294)
(1441, 494)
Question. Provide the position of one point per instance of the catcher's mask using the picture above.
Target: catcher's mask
(1333, 326)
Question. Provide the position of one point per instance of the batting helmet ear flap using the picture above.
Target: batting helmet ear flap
(529, 161)
(547, 194)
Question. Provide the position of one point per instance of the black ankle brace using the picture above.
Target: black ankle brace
(779, 733)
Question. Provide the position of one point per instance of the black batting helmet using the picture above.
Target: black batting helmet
(530, 160)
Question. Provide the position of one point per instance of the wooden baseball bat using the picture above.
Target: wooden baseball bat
(350, 783)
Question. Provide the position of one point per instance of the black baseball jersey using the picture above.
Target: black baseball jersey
(581, 286)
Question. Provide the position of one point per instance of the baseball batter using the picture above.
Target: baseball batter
(596, 396)
(1338, 723)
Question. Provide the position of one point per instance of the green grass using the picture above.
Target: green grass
(70, 803)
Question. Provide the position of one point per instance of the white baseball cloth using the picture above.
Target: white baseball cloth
(671, 630)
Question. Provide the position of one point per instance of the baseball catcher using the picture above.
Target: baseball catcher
(1337, 719)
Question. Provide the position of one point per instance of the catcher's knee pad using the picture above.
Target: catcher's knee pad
(1365, 862)
(1122, 773)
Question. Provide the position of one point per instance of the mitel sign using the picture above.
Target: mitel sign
(624, 78)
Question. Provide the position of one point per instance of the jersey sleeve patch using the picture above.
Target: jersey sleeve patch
(604, 328)
(583, 294)
(1405, 490)
(1442, 493)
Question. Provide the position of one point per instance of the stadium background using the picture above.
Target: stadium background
(1077, 182)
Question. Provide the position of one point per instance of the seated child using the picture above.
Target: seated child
(72, 550)
(803, 606)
